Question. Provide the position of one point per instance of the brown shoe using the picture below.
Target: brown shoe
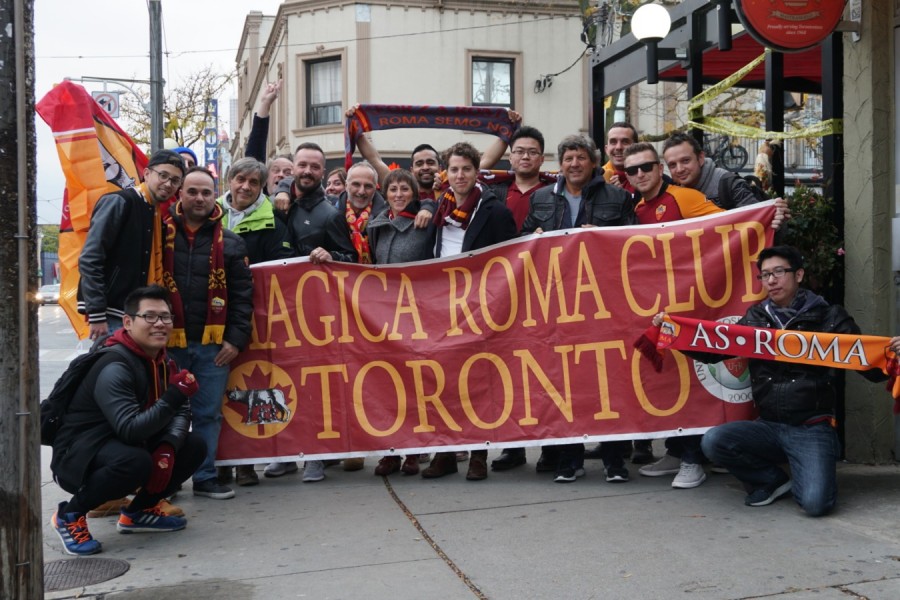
(477, 466)
(108, 509)
(224, 475)
(387, 465)
(444, 463)
(354, 464)
(245, 475)
(169, 509)
(410, 465)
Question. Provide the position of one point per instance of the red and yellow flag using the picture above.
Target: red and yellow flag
(97, 158)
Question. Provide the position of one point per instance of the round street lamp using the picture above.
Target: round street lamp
(650, 24)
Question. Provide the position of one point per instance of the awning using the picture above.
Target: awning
(802, 70)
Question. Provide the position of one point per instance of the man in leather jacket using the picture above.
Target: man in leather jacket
(120, 433)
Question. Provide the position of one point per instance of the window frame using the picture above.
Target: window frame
(514, 59)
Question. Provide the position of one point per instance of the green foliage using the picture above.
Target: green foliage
(50, 242)
(811, 230)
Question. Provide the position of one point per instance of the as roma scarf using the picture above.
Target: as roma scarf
(449, 213)
(376, 117)
(357, 224)
(217, 289)
(155, 272)
(835, 350)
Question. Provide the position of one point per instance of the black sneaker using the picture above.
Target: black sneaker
(213, 489)
(769, 494)
(616, 474)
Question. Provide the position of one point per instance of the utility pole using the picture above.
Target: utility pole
(156, 79)
(21, 556)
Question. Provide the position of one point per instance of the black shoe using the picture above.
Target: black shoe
(616, 474)
(643, 452)
(547, 463)
(509, 459)
(594, 453)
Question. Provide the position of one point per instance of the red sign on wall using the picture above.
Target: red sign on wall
(790, 25)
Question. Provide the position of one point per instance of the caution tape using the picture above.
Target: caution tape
(724, 126)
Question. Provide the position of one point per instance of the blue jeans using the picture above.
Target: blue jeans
(752, 451)
(206, 404)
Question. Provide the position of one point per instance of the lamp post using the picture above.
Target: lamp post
(650, 25)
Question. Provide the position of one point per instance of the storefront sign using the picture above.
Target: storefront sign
(790, 25)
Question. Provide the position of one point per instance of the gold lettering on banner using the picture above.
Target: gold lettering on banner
(512, 294)
(360, 323)
(684, 388)
(324, 372)
(466, 397)
(423, 398)
(325, 320)
(748, 257)
(531, 366)
(553, 280)
(674, 306)
(586, 271)
(458, 302)
(598, 349)
(277, 312)
(359, 402)
(695, 235)
(407, 305)
(341, 284)
(626, 279)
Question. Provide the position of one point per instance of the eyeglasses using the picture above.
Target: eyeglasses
(531, 152)
(152, 318)
(645, 167)
(166, 178)
(777, 273)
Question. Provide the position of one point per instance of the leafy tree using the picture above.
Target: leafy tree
(51, 238)
(184, 107)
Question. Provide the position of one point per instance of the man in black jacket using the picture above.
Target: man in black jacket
(581, 198)
(796, 402)
(118, 435)
(123, 249)
(313, 222)
(205, 267)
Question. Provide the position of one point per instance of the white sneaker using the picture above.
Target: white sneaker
(313, 470)
(277, 469)
(667, 465)
(690, 475)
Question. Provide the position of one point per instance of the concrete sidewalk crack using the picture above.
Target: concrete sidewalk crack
(434, 545)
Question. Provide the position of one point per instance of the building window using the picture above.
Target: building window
(492, 82)
(324, 94)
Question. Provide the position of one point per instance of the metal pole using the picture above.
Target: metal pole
(156, 79)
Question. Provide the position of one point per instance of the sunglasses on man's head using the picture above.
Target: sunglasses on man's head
(645, 167)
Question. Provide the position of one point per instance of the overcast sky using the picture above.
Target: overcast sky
(111, 39)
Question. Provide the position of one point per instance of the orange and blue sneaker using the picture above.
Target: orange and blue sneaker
(149, 520)
(72, 529)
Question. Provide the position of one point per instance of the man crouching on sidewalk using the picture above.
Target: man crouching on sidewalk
(126, 429)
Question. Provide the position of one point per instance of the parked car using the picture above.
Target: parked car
(48, 294)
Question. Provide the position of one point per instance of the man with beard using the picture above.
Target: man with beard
(211, 290)
(312, 221)
(690, 168)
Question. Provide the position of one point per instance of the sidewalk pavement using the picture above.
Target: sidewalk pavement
(517, 535)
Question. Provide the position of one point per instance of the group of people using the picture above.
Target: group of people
(165, 278)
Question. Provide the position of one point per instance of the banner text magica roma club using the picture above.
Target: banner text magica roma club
(513, 345)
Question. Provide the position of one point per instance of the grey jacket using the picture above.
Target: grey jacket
(397, 240)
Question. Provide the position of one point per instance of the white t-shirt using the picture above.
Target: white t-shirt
(451, 240)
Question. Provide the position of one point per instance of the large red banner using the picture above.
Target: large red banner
(514, 345)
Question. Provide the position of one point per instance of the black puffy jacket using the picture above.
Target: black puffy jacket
(313, 221)
(191, 273)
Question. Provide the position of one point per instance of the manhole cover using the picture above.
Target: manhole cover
(78, 572)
